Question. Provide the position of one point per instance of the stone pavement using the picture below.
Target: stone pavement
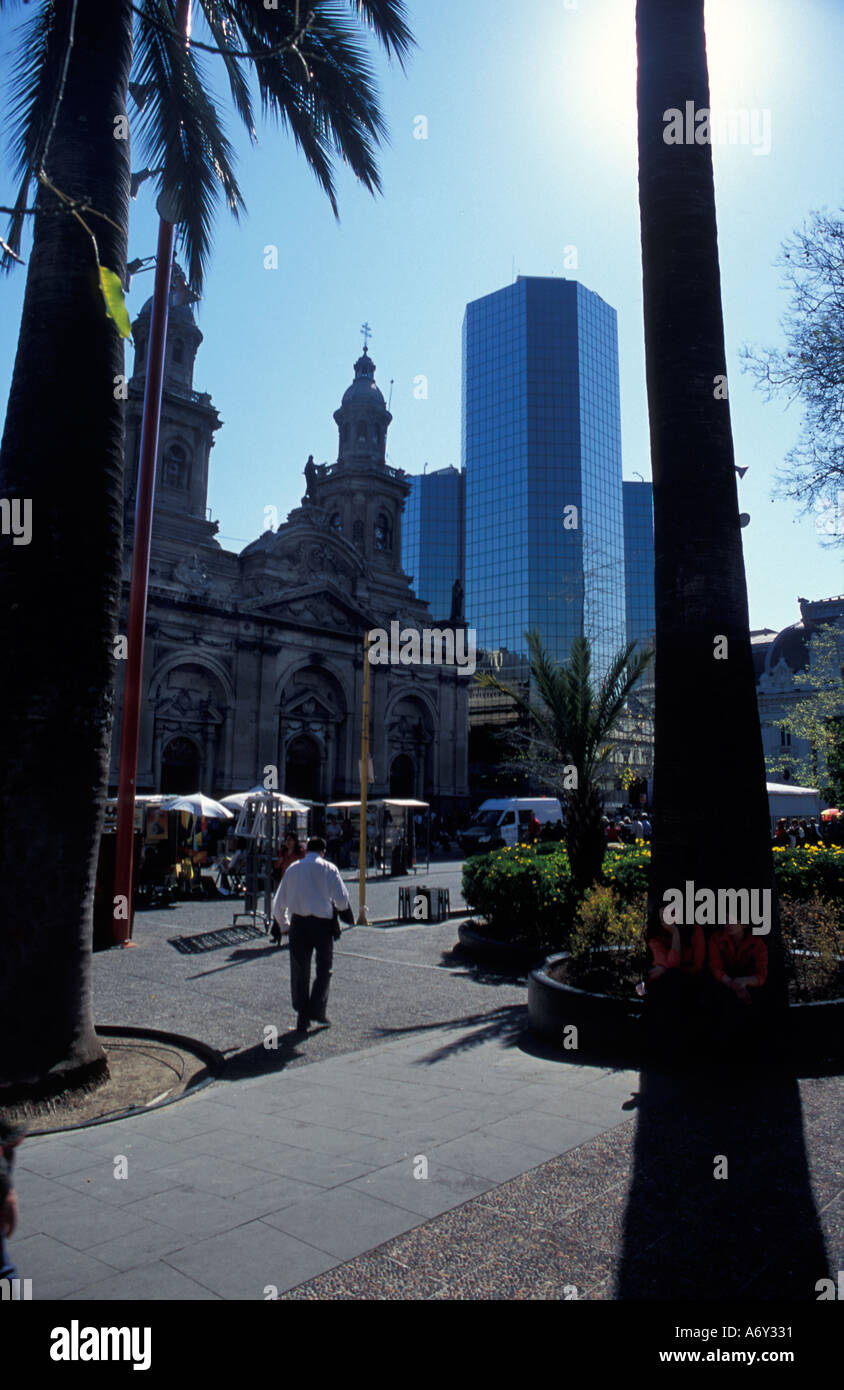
(262, 1184)
(455, 1165)
(638, 1213)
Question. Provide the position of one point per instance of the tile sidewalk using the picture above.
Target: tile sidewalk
(546, 1179)
(252, 1188)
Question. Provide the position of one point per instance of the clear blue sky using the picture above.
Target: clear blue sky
(531, 148)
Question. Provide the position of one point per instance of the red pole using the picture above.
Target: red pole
(139, 585)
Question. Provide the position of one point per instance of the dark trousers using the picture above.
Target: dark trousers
(309, 934)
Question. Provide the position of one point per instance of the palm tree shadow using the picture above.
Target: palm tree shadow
(505, 1025)
(720, 1206)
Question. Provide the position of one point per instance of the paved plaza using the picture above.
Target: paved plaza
(421, 1148)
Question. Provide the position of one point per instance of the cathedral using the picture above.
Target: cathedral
(256, 659)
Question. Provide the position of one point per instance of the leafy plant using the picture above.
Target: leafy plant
(813, 939)
(607, 948)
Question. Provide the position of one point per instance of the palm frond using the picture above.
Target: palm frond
(223, 29)
(387, 20)
(614, 691)
(337, 113)
(180, 133)
(32, 90)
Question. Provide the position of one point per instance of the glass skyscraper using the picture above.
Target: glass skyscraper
(639, 562)
(432, 548)
(542, 458)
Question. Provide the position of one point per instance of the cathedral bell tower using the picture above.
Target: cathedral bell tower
(188, 424)
(361, 494)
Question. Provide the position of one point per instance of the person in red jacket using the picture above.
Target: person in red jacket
(738, 965)
(738, 960)
(673, 984)
(682, 949)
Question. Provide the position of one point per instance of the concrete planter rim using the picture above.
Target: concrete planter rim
(542, 976)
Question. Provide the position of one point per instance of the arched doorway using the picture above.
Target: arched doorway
(180, 767)
(402, 777)
(302, 768)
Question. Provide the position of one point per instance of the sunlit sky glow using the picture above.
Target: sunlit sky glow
(531, 148)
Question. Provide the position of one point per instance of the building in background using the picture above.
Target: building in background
(256, 659)
(433, 539)
(639, 562)
(544, 505)
(798, 682)
(542, 458)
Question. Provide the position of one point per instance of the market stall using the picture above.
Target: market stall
(397, 834)
(264, 819)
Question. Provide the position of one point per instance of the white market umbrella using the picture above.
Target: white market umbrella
(237, 800)
(199, 805)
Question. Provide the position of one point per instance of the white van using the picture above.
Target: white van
(506, 821)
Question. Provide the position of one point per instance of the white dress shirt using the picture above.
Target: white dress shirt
(311, 887)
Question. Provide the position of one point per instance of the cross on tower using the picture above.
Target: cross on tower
(367, 334)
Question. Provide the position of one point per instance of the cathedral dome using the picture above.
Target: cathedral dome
(182, 300)
(790, 646)
(363, 390)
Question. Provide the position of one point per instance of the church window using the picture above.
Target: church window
(357, 533)
(362, 429)
(337, 523)
(383, 532)
(785, 738)
(176, 473)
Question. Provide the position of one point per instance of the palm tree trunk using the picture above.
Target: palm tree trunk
(62, 450)
(711, 811)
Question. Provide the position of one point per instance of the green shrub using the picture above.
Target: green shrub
(525, 894)
(816, 871)
(800, 873)
(628, 870)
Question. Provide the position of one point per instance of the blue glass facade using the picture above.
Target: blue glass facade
(542, 458)
(639, 562)
(433, 540)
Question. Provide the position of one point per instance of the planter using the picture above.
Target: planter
(816, 1031)
(611, 1027)
(506, 955)
(606, 1025)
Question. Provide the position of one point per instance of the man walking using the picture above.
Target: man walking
(308, 894)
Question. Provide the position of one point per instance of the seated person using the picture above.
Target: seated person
(674, 982)
(738, 960)
(673, 947)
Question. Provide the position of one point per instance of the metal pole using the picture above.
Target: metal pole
(363, 920)
(131, 720)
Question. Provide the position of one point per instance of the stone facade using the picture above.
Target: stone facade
(256, 659)
(788, 675)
